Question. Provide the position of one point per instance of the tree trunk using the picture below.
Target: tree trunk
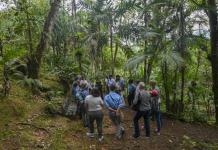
(29, 33)
(35, 59)
(1, 48)
(145, 25)
(175, 91)
(74, 8)
(166, 87)
(111, 47)
(213, 16)
(145, 70)
(182, 51)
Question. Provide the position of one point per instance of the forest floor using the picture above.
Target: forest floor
(24, 125)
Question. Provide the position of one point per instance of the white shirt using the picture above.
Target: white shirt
(94, 103)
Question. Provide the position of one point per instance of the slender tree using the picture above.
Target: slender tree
(34, 61)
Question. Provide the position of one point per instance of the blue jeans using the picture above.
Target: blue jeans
(157, 115)
(146, 116)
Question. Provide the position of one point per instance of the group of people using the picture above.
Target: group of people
(91, 101)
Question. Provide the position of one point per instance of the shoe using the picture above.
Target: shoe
(135, 136)
(158, 133)
(90, 135)
(122, 132)
(101, 139)
(147, 137)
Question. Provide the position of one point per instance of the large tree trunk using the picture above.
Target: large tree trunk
(34, 61)
(166, 85)
(213, 16)
(182, 51)
(145, 25)
(74, 8)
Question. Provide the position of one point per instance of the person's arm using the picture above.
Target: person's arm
(122, 102)
(86, 104)
(135, 101)
(101, 102)
(107, 105)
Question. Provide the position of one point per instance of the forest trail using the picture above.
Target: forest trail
(42, 132)
(174, 135)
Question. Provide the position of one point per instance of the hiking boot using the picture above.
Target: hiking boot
(101, 139)
(90, 135)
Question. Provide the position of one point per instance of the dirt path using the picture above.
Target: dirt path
(60, 133)
(174, 135)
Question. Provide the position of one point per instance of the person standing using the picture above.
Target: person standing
(120, 83)
(114, 103)
(143, 100)
(94, 104)
(81, 95)
(155, 105)
(131, 92)
(98, 85)
(110, 81)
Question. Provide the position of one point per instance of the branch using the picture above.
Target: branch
(32, 125)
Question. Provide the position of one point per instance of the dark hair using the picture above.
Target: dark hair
(112, 87)
(130, 81)
(95, 92)
(138, 81)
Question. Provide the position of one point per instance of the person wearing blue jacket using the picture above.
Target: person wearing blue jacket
(81, 95)
(114, 102)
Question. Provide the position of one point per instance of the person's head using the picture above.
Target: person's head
(137, 82)
(152, 84)
(110, 76)
(112, 87)
(75, 84)
(193, 83)
(83, 84)
(141, 85)
(117, 77)
(95, 92)
(130, 81)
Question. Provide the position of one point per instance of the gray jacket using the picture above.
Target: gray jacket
(145, 100)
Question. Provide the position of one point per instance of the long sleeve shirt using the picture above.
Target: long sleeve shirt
(145, 100)
(114, 101)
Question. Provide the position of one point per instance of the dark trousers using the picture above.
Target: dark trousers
(83, 114)
(98, 117)
(146, 116)
(130, 99)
